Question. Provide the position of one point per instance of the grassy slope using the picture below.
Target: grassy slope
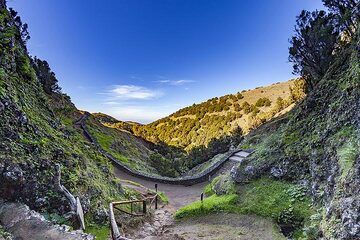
(284, 202)
(318, 143)
(123, 145)
(36, 132)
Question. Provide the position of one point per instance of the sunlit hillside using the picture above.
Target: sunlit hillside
(198, 124)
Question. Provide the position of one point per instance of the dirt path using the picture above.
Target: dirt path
(210, 227)
(222, 226)
(179, 195)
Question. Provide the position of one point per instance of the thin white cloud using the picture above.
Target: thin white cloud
(126, 92)
(175, 82)
(111, 103)
(139, 114)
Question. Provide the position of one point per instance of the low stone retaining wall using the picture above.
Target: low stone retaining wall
(188, 180)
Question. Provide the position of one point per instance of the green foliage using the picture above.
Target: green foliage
(56, 218)
(42, 139)
(280, 104)
(209, 189)
(347, 154)
(198, 124)
(46, 76)
(239, 96)
(212, 204)
(313, 45)
(4, 234)
(163, 197)
(263, 102)
(24, 67)
(164, 166)
(346, 13)
(286, 203)
(247, 108)
(101, 232)
(298, 90)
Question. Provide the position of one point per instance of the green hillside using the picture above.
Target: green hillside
(37, 131)
(127, 148)
(315, 145)
(199, 124)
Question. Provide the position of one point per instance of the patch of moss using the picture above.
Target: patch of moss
(347, 154)
(101, 232)
(212, 204)
(4, 234)
(209, 189)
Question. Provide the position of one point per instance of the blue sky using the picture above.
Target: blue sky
(144, 59)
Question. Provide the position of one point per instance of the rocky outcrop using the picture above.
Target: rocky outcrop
(24, 223)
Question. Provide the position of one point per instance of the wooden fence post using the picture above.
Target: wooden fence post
(144, 206)
(156, 196)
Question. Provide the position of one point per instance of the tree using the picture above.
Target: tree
(297, 90)
(23, 35)
(261, 102)
(46, 76)
(247, 108)
(313, 45)
(347, 14)
(2, 4)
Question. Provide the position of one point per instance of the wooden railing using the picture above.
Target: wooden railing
(135, 211)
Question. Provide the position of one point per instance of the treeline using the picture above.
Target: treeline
(199, 124)
(173, 161)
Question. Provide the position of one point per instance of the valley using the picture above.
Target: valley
(275, 162)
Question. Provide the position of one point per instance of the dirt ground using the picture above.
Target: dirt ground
(215, 226)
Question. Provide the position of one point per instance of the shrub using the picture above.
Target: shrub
(263, 102)
(247, 108)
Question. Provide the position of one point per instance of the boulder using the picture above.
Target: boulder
(24, 223)
(13, 174)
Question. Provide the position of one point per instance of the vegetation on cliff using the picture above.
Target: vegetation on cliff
(317, 143)
(37, 131)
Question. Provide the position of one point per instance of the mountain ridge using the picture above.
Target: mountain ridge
(216, 117)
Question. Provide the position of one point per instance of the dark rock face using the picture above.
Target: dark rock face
(12, 179)
(101, 215)
(350, 216)
(13, 174)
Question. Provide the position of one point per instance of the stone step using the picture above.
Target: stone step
(236, 158)
(242, 154)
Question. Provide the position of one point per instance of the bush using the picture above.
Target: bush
(247, 108)
(263, 102)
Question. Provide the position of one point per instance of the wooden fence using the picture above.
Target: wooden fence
(138, 208)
